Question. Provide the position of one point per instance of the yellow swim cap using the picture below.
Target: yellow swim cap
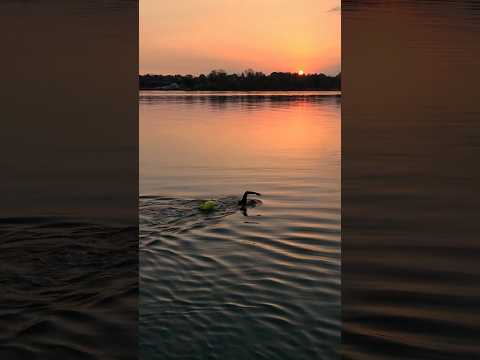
(208, 205)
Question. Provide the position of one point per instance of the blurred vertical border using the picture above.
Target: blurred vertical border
(410, 175)
(69, 179)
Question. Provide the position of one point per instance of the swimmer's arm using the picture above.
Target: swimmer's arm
(245, 195)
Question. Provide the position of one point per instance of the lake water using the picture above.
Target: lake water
(257, 284)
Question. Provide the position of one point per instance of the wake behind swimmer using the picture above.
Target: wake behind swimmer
(212, 205)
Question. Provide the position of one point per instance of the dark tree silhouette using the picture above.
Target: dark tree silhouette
(249, 80)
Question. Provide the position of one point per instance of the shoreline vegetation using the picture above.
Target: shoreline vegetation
(249, 80)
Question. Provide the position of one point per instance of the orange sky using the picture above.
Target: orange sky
(196, 36)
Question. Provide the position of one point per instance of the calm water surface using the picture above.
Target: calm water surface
(264, 284)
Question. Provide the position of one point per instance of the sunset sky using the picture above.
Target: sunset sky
(196, 36)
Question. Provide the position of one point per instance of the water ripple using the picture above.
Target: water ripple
(236, 289)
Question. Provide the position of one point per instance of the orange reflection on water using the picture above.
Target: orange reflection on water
(238, 134)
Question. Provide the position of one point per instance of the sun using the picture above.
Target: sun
(300, 72)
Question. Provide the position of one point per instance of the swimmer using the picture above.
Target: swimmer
(212, 205)
(252, 202)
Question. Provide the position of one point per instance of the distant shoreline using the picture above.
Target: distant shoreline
(246, 91)
(219, 80)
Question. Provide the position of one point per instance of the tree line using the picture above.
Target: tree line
(249, 80)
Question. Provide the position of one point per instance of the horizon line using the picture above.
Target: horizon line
(239, 73)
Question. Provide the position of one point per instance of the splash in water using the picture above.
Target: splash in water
(179, 215)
